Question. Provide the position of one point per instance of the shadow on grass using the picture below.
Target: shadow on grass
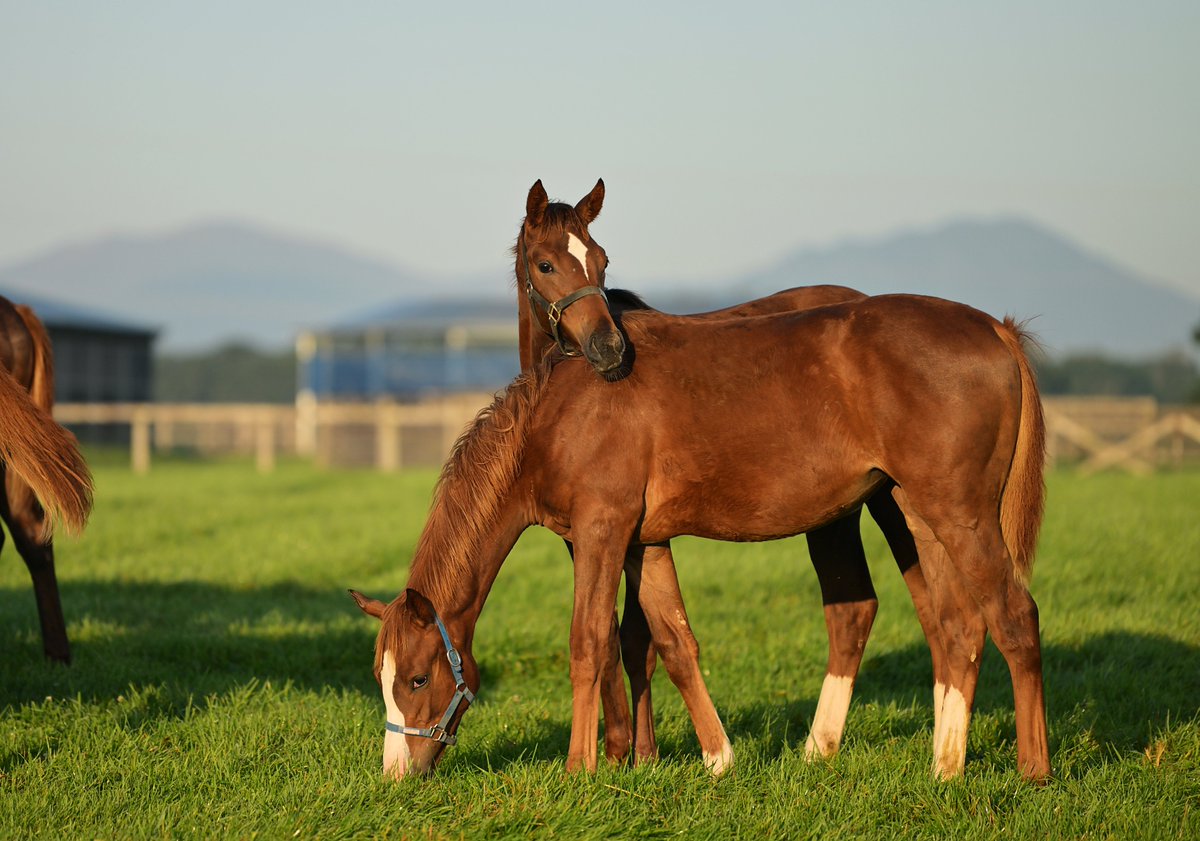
(1120, 687)
(197, 639)
(194, 638)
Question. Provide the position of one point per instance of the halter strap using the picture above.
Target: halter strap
(441, 732)
(554, 311)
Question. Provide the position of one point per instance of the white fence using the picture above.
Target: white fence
(334, 434)
(1133, 434)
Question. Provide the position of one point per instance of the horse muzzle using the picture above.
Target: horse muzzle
(605, 351)
(401, 763)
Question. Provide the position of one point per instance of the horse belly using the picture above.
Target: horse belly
(762, 501)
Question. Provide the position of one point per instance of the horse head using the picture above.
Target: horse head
(426, 683)
(561, 270)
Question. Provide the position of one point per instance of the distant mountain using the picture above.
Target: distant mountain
(213, 283)
(1002, 266)
(210, 284)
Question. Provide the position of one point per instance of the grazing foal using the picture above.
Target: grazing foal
(795, 420)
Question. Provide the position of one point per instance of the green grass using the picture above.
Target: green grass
(222, 683)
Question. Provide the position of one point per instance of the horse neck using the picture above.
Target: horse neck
(528, 332)
(457, 561)
(532, 339)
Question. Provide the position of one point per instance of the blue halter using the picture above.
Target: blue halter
(440, 732)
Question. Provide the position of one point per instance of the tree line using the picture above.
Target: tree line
(239, 373)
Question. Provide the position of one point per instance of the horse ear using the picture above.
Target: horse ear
(589, 206)
(535, 205)
(371, 607)
(420, 607)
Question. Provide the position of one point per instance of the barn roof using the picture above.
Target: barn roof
(435, 313)
(58, 314)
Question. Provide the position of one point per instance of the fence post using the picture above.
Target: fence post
(139, 441)
(264, 442)
(387, 438)
(306, 423)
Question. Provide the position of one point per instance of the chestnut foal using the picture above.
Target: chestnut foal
(555, 250)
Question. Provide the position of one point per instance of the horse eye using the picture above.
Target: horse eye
(419, 681)
(545, 268)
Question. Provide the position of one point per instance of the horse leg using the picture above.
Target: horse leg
(24, 516)
(614, 703)
(887, 515)
(639, 655)
(618, 723)
(1012, 619)
(961, 632)
(984, 570)
(850, 605)
(658, 592)
(964, 632)
(596, 584)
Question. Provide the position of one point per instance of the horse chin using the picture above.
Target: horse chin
(613, 375)
(417, 766)
(415, 769)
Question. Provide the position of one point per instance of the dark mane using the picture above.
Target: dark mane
(472, 487)
(624, 299)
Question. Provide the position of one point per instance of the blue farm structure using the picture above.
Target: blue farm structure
(410, 352)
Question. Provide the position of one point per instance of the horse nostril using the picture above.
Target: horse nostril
(605, 350)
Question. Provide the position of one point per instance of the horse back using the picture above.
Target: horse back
(806, 411)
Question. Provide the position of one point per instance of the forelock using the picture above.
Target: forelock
(561, 219)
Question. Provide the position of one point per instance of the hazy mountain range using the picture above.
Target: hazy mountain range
(212, 283)
(1007, 266)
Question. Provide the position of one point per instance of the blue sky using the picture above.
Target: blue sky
(727, 134)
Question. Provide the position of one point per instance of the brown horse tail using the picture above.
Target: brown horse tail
(1024, 499)
(42, 387)
(45, 456)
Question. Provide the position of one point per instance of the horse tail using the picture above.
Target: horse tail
(41, 389)
(45, 456)
(1023, 501)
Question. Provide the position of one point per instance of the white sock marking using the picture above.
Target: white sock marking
(395, 745)
(950, 749)
(720, 762)
(830, 719)
(578, 250)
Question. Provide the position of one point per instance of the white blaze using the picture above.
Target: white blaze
(395, 745)
(830, 718)
(578, 250)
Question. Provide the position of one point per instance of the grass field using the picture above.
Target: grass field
(222, 683)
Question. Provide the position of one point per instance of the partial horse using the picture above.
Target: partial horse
(45, 479)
